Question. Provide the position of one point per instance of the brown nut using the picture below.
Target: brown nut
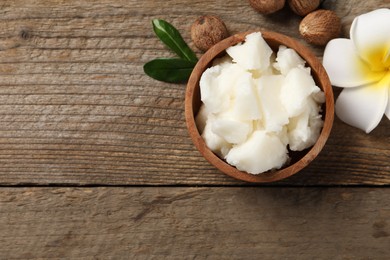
(208, 30)
(303, 7)
(267, 6)
(319, 27)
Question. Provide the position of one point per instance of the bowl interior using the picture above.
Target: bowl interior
(298, 159)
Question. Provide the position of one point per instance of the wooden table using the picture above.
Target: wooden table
(96, 162)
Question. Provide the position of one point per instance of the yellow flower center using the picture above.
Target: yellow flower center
(376, 63)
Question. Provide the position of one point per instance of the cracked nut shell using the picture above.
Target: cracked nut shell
(208, 30)
(319, 27)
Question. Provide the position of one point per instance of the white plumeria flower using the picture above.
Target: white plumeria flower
(361, 65)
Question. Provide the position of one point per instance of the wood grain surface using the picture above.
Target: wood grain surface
(77, 109)
(194, 223)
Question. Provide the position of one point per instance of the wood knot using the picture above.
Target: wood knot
(25, 34)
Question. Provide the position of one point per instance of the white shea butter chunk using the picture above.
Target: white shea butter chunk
(304, 129)
(201, 118)
(274, 114)
(287, 59)
(245, 104)
(260, 153)
(298, 86)
(216, 84)
(231, 130)
(213, 99)
(214, 142)
(253, 54)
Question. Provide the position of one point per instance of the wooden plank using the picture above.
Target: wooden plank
(194, 223)
(76, 107)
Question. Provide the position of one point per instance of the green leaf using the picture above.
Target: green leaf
(172, 38)
(169, 70)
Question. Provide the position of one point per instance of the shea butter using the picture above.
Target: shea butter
(258, 106)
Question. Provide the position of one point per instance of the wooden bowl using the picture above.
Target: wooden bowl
(299, 160)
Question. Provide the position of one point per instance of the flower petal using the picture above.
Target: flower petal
(344, 67)
(370, 33)
(387, 112)
(363, 107)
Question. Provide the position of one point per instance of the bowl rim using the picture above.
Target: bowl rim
(320, 76)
